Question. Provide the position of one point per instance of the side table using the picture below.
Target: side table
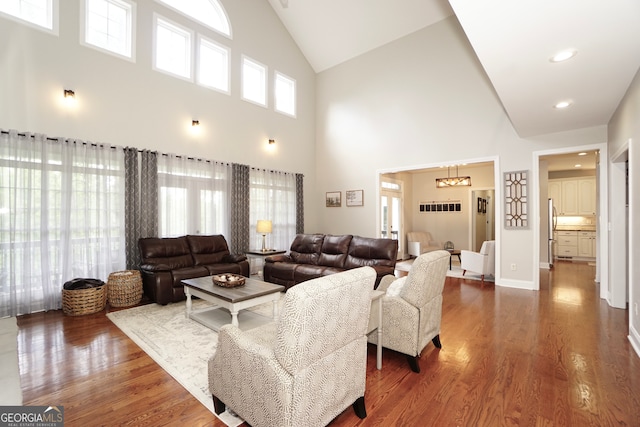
(254, 255)
(454, 252)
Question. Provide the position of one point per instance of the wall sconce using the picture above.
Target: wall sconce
(195, 123)
(272, 141)
(69, 94)
(264, 227)
(453, 181)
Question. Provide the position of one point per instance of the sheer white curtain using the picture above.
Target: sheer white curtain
(61, 217)
(193, 196)
(273, 197)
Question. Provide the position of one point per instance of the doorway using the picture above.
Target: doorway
(483, 218)
(391, 203)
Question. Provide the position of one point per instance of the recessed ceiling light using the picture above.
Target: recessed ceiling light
(562, 104)
(582, 154)
(578, 165)
(563, 55)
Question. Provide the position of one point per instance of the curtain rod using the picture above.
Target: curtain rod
(140, 151)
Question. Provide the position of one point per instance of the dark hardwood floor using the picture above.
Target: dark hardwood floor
(557, 357)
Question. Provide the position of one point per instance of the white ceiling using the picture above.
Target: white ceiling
(512, 39)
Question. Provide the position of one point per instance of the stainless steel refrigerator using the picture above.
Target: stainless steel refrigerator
(553, 222)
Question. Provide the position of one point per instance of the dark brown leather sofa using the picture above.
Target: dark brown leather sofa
(316, 255)
(168, 261)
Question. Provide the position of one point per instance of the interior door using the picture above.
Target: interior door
(391, 217)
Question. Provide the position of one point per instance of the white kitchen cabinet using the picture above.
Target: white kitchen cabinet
(567, 243)
(587, 244)
(587, 196)
(574, 196)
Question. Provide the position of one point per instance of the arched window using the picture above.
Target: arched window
(208, 12)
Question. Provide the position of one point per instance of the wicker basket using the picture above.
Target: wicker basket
(124, 288)
(77, 302)
(228, 280)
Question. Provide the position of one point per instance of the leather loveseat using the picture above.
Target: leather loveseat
(317, 255)
(168, 261)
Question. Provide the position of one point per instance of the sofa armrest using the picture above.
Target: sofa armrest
(278, 258)
(155, 267)
(234, 258)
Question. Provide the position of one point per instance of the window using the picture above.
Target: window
(213, 67)
(109, 25)
(61, 216)
(42, 14)
(273, 197)
(285, 94)
(193, 196)
(254, 81)
(207, 12)
(172, 48)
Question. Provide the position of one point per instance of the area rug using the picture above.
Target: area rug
(181, 346)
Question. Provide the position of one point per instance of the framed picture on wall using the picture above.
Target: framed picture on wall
(479, 204)
(354, 197)
(334, 199)
(484, 206)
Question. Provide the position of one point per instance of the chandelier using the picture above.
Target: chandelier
(453, 181)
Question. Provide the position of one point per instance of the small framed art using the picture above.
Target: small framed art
(354, 197)
(334, 199)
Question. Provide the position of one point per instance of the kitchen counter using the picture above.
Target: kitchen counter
(576, 228)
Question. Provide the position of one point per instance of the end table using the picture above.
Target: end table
(258, 254)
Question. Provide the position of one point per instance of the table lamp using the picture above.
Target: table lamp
(264, 227)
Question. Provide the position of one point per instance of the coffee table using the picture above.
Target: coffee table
(229, 302)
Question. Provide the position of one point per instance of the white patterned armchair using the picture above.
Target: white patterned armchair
(412, 307)
(305, 368)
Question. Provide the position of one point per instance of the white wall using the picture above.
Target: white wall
(624, 134)
(129, 104)
(421, 100)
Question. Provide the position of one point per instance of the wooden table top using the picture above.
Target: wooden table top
(252, 288)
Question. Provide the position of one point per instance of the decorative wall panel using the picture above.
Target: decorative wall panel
(515, 196)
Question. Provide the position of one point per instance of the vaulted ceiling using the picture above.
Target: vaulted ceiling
(514, 41)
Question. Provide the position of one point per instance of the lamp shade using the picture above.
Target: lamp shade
(264, 226)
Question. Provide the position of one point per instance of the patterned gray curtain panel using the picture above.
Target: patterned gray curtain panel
(240, 209)
(141, 200)
(299, 203)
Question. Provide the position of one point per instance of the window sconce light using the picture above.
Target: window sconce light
(272, 141)
(195, 123)
(453, 181)
(68, 93)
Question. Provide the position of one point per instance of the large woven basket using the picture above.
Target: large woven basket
(78, 302)
(124, 288)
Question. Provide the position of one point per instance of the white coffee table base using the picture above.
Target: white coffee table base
(227, 312)
(216, 317)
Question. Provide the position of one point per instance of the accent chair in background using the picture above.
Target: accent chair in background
(412, 307)
(483, 262)
(420, 242)
(305, 368)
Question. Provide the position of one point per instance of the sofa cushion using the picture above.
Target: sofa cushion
(334, 250)
(171, 253)
(305, 248)
(208, 250)
(365, 251)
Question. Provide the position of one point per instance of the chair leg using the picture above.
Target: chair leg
(436, 341)
(464, 271)
(413, 363)
(482, 279)
(359, 408)
(218, 405)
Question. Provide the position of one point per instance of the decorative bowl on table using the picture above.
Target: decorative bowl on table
(228, 280)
